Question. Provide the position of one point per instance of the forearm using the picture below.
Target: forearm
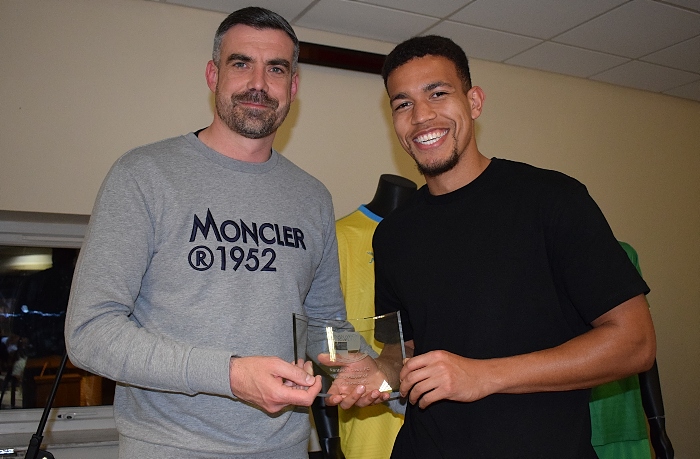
(114, 346)
(613, 349)
(620, 344)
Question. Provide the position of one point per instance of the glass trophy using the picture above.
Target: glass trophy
(351, 352)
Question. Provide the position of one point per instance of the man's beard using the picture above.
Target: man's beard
(252, 123)
(438, 168)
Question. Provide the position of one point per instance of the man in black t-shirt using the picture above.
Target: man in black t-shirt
(514, 293)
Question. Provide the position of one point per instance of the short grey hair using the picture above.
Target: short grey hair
(258, 18)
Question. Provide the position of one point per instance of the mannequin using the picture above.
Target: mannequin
(654, 408)
(392, 190)
(374, 428)
(326, 422)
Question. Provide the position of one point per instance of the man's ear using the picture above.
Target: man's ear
(212, 75)
(476, 99)
(295, 86)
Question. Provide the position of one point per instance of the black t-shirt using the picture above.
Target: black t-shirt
(519, 260)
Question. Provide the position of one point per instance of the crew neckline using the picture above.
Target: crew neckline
(472, 187)
(230, 163)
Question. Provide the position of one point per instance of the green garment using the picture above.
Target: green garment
(618, 422)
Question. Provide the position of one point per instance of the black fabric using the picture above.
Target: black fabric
(519, 260)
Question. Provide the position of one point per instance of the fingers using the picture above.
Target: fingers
(335, 399)
(414, 386)
(272, 384)
(356, 383)
(419, 380)
(302, 396)
(408, 376)
(309, 367)
(301, 374)
(425, 392)
(439, 375)
(359, 397)
(352, 398)
(410, 365)
(325, 359)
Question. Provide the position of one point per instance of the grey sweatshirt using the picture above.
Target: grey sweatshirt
(191, 257)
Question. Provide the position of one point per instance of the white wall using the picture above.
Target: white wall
(83, 81)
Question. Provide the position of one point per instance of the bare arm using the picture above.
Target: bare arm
(621, 343)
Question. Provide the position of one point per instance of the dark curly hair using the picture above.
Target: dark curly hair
(428, 45)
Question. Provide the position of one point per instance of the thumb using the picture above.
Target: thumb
(298, 375)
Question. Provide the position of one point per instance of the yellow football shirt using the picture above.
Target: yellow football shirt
(365, 433)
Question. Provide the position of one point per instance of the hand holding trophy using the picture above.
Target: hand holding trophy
(362, 357)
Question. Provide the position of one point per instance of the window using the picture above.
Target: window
(37, 258)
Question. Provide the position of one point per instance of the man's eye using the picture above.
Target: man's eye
(279, 70)
(401, 106)
(239, 65)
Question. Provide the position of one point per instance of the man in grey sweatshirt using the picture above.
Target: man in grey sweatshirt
(199, 250)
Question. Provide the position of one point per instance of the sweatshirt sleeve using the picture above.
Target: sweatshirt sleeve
(102, 334)
(325, 298)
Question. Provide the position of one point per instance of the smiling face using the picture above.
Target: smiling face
(253, 84)
(433, 114)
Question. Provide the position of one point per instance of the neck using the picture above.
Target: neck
(465, 172)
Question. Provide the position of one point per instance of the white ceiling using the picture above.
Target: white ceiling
(651, 45)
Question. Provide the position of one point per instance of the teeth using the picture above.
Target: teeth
(430, 138)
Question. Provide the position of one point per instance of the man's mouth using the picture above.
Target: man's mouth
(431, 137)
(258, 98)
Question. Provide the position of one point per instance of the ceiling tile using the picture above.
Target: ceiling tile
(289, 9)
(535, 18)
(688, 91)
(361, 19)
(642, 75)
(690, 4)
(553, 57)
(434, 8)
(584, 38)
(683, 56)
(635, 29)
(483, 43)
